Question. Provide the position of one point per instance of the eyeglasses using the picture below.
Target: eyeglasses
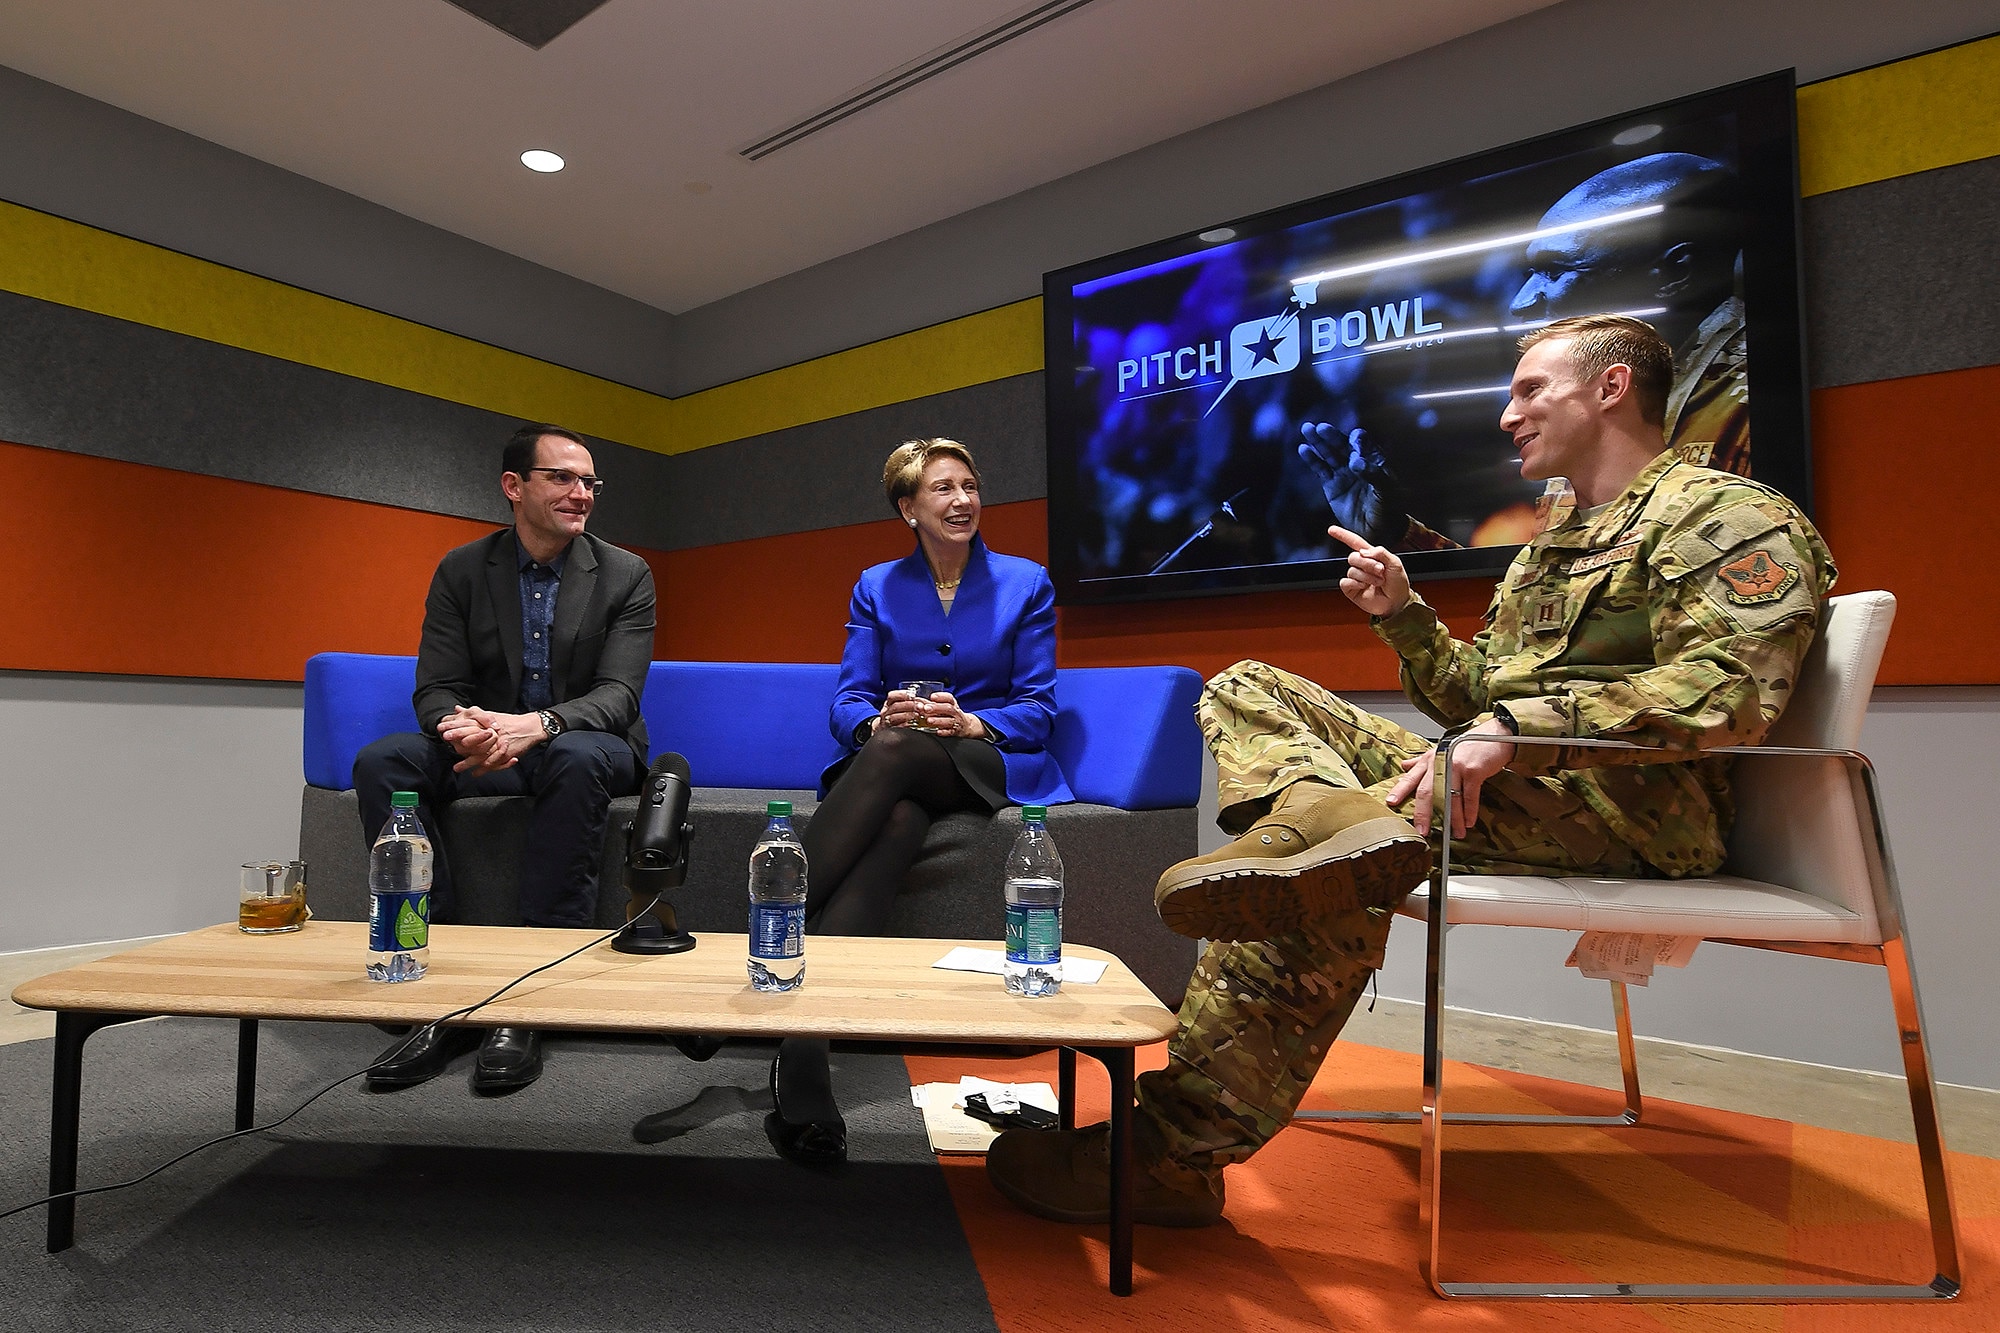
(565, 479)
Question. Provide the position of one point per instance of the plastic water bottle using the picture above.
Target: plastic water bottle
(778, 904)
(1034, 909)
(399, 895)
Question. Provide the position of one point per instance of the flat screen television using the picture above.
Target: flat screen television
(1217, 399)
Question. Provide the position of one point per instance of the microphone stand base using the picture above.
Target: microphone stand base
(647, 936)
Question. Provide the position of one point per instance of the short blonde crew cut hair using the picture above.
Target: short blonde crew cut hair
(904, 471)
(1600, 342)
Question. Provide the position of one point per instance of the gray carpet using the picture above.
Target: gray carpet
(433, 1209)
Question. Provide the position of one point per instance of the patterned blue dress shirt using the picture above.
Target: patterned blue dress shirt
(539, 585)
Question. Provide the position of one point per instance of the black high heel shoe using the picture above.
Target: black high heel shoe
(814, 1143)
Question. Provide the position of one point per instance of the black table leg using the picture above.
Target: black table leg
(1118, 1061)
(1065, 1088)
(73, 1029)
(246, 1073)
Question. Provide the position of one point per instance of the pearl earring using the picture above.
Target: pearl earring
(911, 521)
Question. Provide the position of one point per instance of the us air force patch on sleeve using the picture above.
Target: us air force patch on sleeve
(1756, 579)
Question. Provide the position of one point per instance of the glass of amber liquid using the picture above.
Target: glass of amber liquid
(273, 899)
(922, 690)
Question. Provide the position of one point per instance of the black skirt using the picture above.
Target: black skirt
(977, 760)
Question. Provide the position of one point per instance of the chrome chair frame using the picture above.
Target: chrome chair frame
(1893, 954)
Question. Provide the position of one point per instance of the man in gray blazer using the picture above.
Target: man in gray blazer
(535, 649)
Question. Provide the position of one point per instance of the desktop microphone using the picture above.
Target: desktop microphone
(656, 861)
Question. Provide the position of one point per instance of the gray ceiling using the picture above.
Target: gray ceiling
(419, 106)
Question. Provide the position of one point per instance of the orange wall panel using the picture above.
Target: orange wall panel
(1319, 635)
(146, 571)
(1906, 480)
(784, 599)
(1906, 474)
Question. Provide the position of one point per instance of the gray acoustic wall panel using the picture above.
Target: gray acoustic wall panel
(829, 473)
(91, 384)
(77, 158)
(1900, 275)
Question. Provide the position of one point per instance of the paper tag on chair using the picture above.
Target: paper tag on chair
(1611, 955)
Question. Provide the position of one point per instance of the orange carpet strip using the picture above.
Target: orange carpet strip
(1321, 1230)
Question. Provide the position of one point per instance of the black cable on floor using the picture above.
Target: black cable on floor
(347, 1078)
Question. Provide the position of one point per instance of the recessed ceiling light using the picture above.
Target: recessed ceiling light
(541, 159)
(1217, 235)
(1637, 134)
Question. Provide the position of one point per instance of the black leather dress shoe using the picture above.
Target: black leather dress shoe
(813, 1143)
(417, 1059)
(509, 1058)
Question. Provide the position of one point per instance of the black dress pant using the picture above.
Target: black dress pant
(572, 780)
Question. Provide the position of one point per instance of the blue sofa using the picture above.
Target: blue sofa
(751, 732)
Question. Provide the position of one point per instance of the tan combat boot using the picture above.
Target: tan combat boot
(1065, 1176)
(1321, 852)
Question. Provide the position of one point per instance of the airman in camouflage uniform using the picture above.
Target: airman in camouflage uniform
(1677, 615)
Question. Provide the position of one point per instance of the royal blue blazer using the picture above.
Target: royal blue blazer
(996, 652)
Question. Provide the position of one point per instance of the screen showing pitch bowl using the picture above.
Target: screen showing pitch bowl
(1234, 393)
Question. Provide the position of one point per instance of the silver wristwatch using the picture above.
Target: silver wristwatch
(551, 724)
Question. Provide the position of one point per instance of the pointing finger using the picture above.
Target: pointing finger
(1351, 540)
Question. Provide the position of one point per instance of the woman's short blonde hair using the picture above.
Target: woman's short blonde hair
(904, 471)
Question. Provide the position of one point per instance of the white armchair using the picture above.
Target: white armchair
(1809, 872)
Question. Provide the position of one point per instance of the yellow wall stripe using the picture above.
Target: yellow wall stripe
(85, 268)
(1929, 111)
(991, 345)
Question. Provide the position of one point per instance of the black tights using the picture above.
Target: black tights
(860, 844)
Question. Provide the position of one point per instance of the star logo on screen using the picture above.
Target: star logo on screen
(1263, 347)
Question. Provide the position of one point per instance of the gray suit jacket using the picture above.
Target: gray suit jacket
(600, 647)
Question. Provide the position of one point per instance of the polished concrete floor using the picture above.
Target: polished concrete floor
(1844, 1099)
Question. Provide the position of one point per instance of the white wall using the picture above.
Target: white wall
(1933, 749)
(127, 804)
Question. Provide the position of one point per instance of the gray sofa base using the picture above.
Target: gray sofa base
(1111, 859)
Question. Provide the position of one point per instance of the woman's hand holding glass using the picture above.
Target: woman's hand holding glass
(938, 714)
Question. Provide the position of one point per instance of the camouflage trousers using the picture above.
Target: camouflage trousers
(1260, 1016)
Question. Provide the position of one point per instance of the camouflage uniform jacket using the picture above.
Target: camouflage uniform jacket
(1678, 615)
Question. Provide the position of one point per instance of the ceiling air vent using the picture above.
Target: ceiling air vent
(905, 77)
(533, 22)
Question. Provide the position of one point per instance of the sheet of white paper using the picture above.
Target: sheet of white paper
(1083, 971)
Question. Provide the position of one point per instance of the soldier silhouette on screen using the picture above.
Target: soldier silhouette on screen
(1681, 266)
(1684, 263)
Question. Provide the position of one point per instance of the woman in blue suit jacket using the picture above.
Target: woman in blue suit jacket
(984, 624)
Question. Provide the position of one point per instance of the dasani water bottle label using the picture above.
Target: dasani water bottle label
(399, 922)
(1034, 934)
(777, 930)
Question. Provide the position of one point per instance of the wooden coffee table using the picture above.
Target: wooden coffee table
(862, 989)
